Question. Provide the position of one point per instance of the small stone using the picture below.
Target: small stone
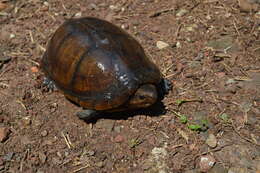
(44, 133)
(100, 164)
(206, 163)
(125, 26)
(247, 5)
(34, 69)
(211, 141)
(12, 36)
(46, 3)
(178, 44)
(119, 138)
(26, 121)
(4, 58)
(220, 74)
(117, 129)
(25, 140)
(56, 161)
(199, 57)
(79, 14)
(93, 6)
(90, 153)
(192, 28)
(42, 157)
(115, 8)
(105, 124)
(161, 44)
(8, 156)
(4, 133)
(181, 12)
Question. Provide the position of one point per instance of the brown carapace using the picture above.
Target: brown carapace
(100, 67)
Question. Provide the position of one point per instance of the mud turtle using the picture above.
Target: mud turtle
(100, 67)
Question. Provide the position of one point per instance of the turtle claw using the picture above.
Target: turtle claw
(49, 84)
(166, 86)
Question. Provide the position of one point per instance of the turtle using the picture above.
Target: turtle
(101, 68)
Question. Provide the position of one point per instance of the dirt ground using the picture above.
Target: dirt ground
(208, 49)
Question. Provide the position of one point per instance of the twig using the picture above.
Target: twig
(178, 30)
(31, 36)
(236, 28)
(77, 170)
(158, 13)
(22, 161)
(212, 150)
(243, 137)
(67, 140)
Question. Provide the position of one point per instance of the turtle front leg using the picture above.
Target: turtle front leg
(49, 84)
(166, 86)
(87, 114)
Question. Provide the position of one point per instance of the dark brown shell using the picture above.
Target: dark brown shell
(96, 64)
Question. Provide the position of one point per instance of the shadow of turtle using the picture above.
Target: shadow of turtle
(156, 109)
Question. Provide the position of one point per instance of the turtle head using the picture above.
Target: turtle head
(145, 96)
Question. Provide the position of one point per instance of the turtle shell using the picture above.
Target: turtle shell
(96, 64)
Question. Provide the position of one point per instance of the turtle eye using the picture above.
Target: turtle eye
(141, 97)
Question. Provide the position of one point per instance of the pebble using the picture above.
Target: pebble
(42, 157)
(117, 129)
(181, 12)
(119, 139)
(4, 58)
(93, 6)
(90, 153)
(12, 36)
(115, 8)
(26, 121)
(106, 124)
(25, 140)
(8, 156)
(161, 44)
(247, 5)
(100, 164)
(44, 133)
(206, 163)
(178, 44)
(56, 161)
(46, 3)
(79, 14)
(4, 133)
(125, 26)
(34, 69)
(211, 141)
